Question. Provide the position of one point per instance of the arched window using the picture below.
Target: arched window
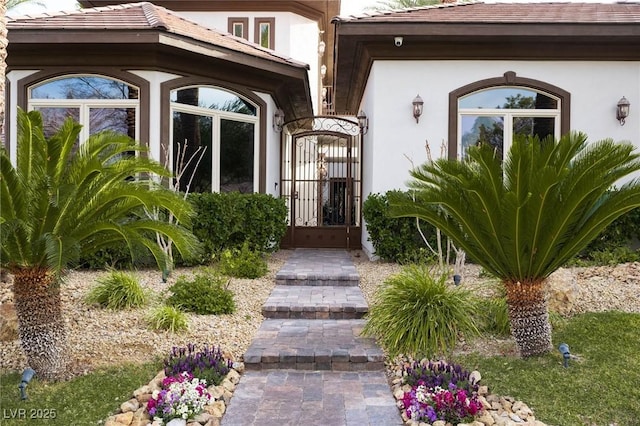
(494, 111)
(215, 142)
(97, 102)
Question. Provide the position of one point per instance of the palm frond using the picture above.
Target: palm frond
(523, 218)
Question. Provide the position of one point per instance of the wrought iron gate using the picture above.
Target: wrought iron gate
(321, 183)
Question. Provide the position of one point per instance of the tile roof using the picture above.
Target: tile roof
(496, 13)
(143, 16)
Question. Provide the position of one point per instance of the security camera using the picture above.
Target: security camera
(397, 41)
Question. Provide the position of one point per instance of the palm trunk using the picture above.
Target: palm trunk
(40, 322)
(529, 317)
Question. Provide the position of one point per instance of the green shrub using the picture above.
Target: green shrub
(243, 263)
(118, 290)
(117, 257)
(395, 239)
(167, 318)
(228, 220)
(621, 234)
(493, 316)
(417, 314)
(208, 364)
(205, 294)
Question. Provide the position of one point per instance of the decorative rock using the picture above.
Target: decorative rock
(216, 392)
(216, 409)
(124, 418)
(213, 422)
(483, 390)
(398, 394)
(439, 423)
(233, 376)
(139, 422)
(486, 419)
(202, 417)
(506, 404)
(239, 367)
(485, 404)
(142, 414)
(228, 385)
(111, 422)
(475, 376)
(130, 405)
(515, 418)
(8, 322)
(141, 390)
(226, 397)
(563, 290)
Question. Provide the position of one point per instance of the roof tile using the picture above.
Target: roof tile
(485, 12)
(142, 16)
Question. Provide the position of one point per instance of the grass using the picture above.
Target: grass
(601, 387)
(83, 401)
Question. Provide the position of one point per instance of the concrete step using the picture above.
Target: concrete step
(313, 344)
(304, 302)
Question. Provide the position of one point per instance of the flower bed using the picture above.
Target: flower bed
(179, 391)
(440, 394)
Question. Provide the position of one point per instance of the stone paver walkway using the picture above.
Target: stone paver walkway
(308, 363)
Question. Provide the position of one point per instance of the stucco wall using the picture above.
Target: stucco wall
(296, 37)
(394, 136)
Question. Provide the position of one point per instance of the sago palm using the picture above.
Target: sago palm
(60, 202)
(523, 218)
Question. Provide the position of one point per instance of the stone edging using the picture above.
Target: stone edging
(133, 412)
(497, 411)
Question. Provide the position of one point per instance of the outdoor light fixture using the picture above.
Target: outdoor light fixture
(417, 107)
(363, 122)
(622, 112)
(27, 375)
(278, 120)
(564, 350)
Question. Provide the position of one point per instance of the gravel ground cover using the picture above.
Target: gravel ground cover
(99, 337)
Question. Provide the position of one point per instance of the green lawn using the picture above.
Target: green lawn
(602, 387)
(83, 401)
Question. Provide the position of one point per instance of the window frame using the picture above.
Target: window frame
(509, 79)
(508, 114)
(231, 22)
(216, 116)
(85, 105)
(272, 30)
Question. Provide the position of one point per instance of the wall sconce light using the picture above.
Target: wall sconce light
(622, 111)
(278, 120)
(323, 71)
(417, 107)
(363, 122)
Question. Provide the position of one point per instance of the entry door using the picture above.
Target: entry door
(321, 184)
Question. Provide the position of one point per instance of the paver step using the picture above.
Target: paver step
(304, 302)
(313, 344)
(318, 267)
(311, 279)
(312, 398)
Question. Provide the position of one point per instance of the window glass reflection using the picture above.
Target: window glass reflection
(508, 98)
(84, 87)
(212, 98)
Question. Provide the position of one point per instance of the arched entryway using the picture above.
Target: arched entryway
(321, 180)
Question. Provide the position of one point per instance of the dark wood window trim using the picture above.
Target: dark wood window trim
(50, 73)
(508, 79)
(165, 117)
(272, 31)
(245, 26)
